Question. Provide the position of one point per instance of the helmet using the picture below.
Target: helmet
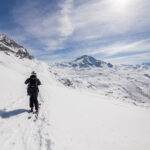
(33, 73)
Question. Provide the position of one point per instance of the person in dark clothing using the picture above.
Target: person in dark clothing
(33, 90)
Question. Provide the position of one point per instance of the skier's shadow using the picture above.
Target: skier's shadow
(7, 114)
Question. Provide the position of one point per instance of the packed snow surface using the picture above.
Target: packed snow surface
(69, 119)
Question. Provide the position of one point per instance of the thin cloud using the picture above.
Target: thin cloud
(122, 47)
(138, 58)
(66, 26)
(68, 22)
(99, 18)
(46, 26)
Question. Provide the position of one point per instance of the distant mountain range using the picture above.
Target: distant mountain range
(126, 82)
(8, 46)
(137, 66)
(85, 61)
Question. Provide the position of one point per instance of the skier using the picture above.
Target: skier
(32, 90)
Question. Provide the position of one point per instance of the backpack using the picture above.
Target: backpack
(33, 83)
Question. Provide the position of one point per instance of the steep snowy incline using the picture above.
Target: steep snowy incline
(69, 119)
(17, 131)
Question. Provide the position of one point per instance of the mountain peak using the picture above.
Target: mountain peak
(2, 36)
(86, 57)
(86, 61)
(8, 45)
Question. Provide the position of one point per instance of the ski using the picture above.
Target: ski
(37, 114)
(34, 114)
(30, 115)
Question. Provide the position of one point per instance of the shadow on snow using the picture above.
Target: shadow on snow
(5, 114)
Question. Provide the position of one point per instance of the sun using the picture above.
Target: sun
(121, 5)
(121, 2)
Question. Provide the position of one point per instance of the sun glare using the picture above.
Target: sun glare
(120, 5)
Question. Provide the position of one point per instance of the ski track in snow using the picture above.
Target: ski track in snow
(19, 132)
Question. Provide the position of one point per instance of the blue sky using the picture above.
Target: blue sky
(116, 31)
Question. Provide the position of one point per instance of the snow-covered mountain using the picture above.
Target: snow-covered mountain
(8, 46)
(126, 82)
(69, 119)
(146, 65)
(139, 67)
(86, 61)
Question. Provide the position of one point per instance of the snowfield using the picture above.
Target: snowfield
(125, 82)
(69, 119)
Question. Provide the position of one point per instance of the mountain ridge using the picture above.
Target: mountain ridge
(86, 61)
(7, 45)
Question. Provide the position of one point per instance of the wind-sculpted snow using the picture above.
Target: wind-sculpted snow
(69, 119)
(125, 82)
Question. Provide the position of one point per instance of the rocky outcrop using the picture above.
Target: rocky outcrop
(10, 46)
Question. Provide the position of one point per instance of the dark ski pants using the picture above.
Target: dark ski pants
(34, 101)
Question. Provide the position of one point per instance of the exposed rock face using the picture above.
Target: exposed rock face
(88, 61)
(10, 46)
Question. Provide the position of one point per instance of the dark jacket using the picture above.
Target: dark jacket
(30, 89)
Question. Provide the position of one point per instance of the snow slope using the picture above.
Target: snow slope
(69, 119)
